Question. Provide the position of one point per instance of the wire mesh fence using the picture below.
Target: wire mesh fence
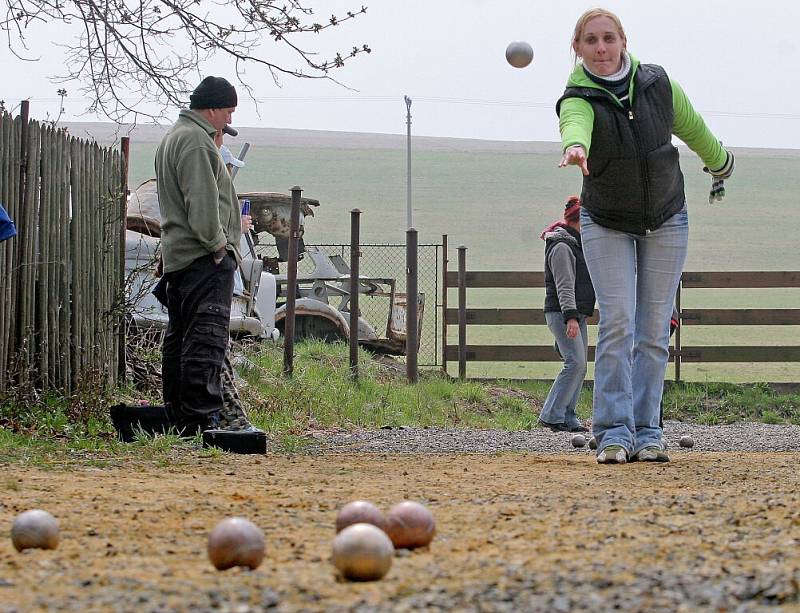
(386, 261)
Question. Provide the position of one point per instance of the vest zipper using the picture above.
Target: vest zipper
(643, 170)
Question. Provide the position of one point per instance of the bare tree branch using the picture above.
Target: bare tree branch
(131, 52)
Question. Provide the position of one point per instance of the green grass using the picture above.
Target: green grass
(321, 395)
(724, 403)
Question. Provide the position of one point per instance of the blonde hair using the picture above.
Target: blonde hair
(586, 18)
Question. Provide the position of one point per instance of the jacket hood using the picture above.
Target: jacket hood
(561, 233)
(578, 77)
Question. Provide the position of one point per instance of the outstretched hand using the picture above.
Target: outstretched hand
(575, 156)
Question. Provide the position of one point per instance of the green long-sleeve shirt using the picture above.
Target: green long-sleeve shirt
(576, 120)
(199, 207)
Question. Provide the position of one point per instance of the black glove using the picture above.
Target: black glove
(718, 178)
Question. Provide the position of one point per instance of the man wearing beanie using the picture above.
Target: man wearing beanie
(200, 232)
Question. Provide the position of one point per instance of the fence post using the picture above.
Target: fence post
(24, 116)
(462, 312)
(355, 254)
(7, 182)
(25, 241)
(678, 335)
(291, 283)
(125, 148)
(444, 303)
(412, 307)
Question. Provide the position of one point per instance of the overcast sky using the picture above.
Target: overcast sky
(736, 60)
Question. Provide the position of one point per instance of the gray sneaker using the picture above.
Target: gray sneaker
(612, 454)
(653, 453)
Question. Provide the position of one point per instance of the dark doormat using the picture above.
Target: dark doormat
(236, 442)
(150, 419)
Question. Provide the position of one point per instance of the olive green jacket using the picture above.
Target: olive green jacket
(199, 207)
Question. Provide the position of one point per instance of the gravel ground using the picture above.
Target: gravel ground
(742, 436)
(524, 523)
(515, 532)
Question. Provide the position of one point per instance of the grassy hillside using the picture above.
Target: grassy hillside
(495, 198)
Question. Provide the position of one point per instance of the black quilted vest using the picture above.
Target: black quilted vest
(584, 290)
(635, 182)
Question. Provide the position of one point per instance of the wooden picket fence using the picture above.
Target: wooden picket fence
(679, 353)
(61, 291)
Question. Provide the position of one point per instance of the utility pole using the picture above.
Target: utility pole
(409, 217)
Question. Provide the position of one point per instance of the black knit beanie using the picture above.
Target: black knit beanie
(213, 93)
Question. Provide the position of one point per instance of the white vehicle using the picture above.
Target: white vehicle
(323, 299)
(253, 306)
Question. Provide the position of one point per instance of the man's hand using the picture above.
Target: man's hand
(219, 256)
(575, 156)
(572, 328)
(247, 223)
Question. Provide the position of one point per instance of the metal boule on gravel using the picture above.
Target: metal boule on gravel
(236, 541)
(686, 442)
(410, 525)
(34, 529)
(578, 440)
(362, 552)
(593, 443)
(360, 512)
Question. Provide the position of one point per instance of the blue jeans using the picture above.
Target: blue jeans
(559, 408)
(635, 279)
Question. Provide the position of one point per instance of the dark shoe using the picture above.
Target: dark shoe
(578, 428)
(555, 427)
(189, 428)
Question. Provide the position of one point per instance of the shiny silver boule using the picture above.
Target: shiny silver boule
(34, 529)
(519, 54)
(362, 552)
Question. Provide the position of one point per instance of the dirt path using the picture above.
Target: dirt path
(708, 531)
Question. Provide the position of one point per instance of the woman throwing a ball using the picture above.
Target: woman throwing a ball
(617, 117)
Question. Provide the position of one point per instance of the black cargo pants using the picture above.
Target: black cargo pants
(199, 305)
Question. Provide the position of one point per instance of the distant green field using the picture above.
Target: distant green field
(496, 204)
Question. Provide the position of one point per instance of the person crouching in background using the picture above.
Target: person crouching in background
(569, 300)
